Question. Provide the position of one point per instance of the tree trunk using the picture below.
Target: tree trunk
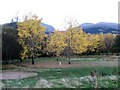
(6, 62)
(20, 60)
(69, 62)
(32, 60)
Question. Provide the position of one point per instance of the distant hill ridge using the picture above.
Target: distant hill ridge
(49, 28)
(101, 27)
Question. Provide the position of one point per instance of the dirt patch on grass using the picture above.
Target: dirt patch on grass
(9, 66)
(16, 75)
(64, 64)
(112, 58)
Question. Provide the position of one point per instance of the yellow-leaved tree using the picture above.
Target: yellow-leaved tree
(31, 36)
(101, 46)
(56, 43)
(77, 40)
(93, 42)
(109, 42)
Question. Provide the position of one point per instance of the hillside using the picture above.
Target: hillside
(101, 27)
(49, 28)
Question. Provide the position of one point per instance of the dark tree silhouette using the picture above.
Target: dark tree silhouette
(10, 46)
(117, 44)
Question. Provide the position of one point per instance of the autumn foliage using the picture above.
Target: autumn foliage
(35, 42)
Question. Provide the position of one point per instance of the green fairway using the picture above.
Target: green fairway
(67, 77)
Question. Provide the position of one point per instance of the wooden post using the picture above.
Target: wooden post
(96, 82)
(94, 76)
(60, 64)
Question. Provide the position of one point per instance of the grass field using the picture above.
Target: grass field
(70, 77)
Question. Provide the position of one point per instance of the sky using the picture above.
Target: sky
(58, 12)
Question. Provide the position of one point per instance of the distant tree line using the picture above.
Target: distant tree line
(29, 40)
